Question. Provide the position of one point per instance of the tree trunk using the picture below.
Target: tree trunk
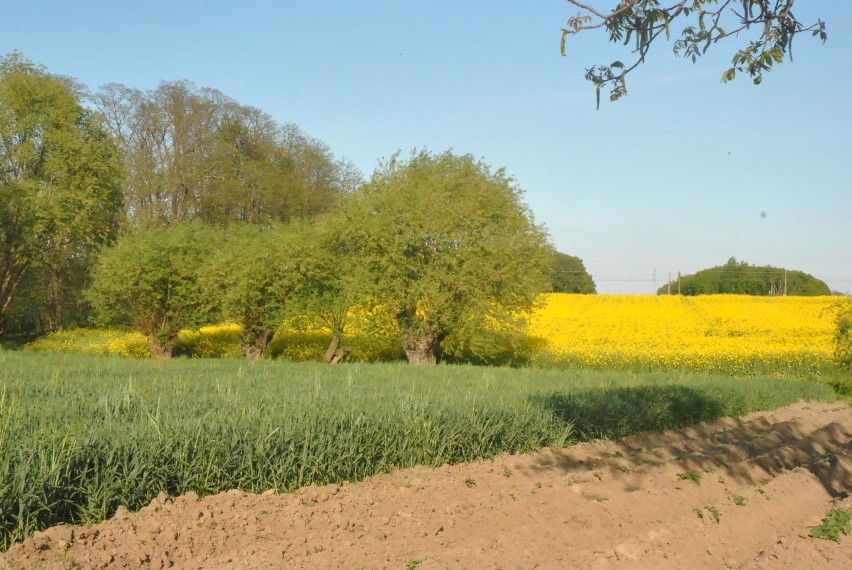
(253, 343)
(159, 350)
(335, 352)
(420, 349)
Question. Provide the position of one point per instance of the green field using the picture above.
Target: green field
(81, 435)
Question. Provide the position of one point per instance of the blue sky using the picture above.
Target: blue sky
(674, 177)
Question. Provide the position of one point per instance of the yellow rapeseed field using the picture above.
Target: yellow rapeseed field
(736, 334)
(731, 334)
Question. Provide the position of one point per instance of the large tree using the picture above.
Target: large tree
(439, 238)
(194, 153)
(767, 26)
(60, 197)
(149, 279)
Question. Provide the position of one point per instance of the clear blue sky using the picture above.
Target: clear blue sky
(675, 177)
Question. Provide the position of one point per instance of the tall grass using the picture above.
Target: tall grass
(81, 435)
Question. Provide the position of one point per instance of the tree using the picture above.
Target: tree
(238, 283)
(569, 275)
(262, 276)
(196, 154)
(149, 279)
(438, 238)
(320, 283)
(60, 197)
(772, 24)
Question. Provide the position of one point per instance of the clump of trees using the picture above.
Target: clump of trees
(738, 277)
(436, 240)
(179, 207)
(568, 275)
(75, 168)
(193, 153)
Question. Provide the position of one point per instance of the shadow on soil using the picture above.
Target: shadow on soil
(687, 428)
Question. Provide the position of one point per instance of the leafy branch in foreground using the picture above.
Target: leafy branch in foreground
(641, 22)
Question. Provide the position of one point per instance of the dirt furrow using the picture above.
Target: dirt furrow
(737, 493)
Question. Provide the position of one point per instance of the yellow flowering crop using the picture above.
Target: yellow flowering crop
(735, 334)
(118, 342)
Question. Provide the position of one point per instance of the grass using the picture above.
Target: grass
(81, 435)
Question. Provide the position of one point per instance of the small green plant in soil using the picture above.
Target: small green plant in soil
(738, 500)
(836, 521)
(714, 512)
(693, 476)
(829, 458)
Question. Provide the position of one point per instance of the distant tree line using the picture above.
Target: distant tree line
(738, 277)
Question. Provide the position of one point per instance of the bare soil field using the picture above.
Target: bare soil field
(737, 493)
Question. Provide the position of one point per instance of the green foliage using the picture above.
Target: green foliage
(569, 275)
(80, 436)
(835, 523)
(438, 238)
(639, 23)
(149, 279)
(843, 333)
(60, 198)
(195, 154)
(740, 278)
(243, 283)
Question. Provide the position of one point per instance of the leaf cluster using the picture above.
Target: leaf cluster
(639, 23)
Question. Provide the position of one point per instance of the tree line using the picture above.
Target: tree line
(78, 168)
(177, 207)
(741, 278)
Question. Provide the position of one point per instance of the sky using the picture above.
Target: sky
(680, 175)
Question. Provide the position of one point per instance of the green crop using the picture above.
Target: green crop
(81, 435)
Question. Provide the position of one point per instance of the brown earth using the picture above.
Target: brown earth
(598, 505)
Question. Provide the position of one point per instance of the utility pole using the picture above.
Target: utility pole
(678, 282)
(669, 283)
(785, 282)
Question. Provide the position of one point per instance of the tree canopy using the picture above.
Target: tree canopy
(60, 194)
(439, 237)
(738, 277)
(568, 275)
(195, 153)
(149, 279)
(768, 27)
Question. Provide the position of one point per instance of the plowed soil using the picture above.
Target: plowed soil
(737, 493)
